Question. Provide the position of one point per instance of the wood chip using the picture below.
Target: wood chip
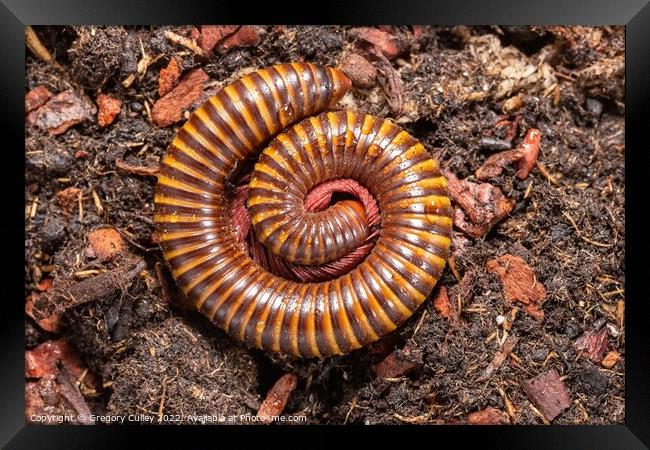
(170, 108)
(548, 393)
(487, 416)
(277, 398)
(499, 358)
(105, 244)
(519, 283)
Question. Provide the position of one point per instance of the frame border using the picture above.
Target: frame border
(635, 14)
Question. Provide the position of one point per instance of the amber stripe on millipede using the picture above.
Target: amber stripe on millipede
(267, 311)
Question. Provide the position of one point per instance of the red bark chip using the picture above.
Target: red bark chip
(398, 363)
(109, 108)
(593, 344)
(487, 416)
(68, 198)
(441, 303)
(51, 323)
(105, 243)
(359, 70)
(277, 398)
(41, 397)
(246, 36)
(610, 360)
(169, 109)
(482, 203)
(61, 112)
(548, 393)
(386, 43)
(168, 77)
(211, 35)
(42, 361)
(36, 98)
(519, 283)
(530, 149)
(493, 166)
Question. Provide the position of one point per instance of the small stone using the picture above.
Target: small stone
(594, 107)
(613, 330)
(136, 106)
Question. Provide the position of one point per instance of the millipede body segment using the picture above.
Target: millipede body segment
(267, 311)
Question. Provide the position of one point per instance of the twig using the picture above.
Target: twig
(185, 42)
(97, 201)
(80, 199)
(546, 174)
(352, 406)
(38, 49)
(138, 170)
(584, 238)
(162, 399)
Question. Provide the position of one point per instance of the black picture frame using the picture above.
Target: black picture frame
(634, 14)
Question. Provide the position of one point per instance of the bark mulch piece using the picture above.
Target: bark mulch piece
(169, 109)
(105, 244)
(530, 150)
(399, 363)
(493, 166)
(67, 293)
(109, 108)
(61, 112)
(211, 35)
(610, 359)
(277, 398)
(593, 344)
(441, 303)
(36, 98)
(362, 73)
(389, 45)
(548, 393)
(482, 205)
(519, 283)
(168, 77)
(488, 416)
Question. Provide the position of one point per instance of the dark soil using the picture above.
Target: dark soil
(157, 358)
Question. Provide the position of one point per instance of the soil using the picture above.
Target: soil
(449, 87)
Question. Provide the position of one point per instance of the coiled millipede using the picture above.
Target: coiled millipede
(215, 271)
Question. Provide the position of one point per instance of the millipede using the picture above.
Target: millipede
(283, 118)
